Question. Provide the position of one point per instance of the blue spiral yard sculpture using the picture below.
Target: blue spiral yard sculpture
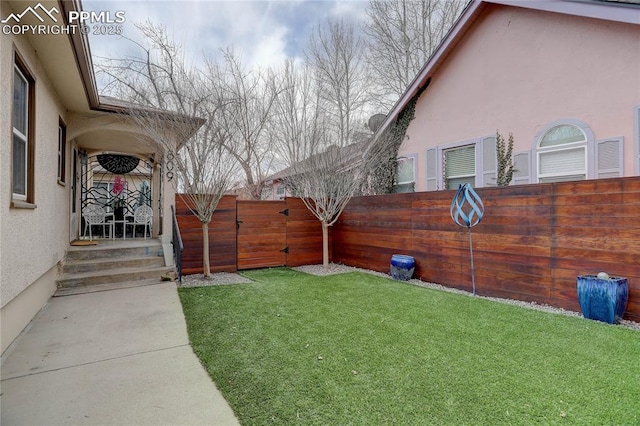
(467, 210)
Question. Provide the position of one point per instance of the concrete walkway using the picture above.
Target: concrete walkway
(113, 357)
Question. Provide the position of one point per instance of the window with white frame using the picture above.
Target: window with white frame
(22, 117)
(406, 171)
(280, 190)
(562, 154)
(459, 166)
(405, 174)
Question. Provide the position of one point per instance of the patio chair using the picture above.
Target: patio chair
(95, 215)
(141, 216)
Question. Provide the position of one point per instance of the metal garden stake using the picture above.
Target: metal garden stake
(467, 210)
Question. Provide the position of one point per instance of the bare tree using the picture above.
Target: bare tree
(251, 96)
(326, 181)
(156, 78)
(298, 125)
(335, 55)
(177, 112)
(319, 115)
(402, 34)
(205, 171)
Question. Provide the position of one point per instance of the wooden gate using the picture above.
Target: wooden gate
(251, 234)
(262, 234)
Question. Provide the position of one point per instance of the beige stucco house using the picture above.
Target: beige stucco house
(562, 76)
(52, 120)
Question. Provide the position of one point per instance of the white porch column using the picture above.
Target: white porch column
(168, 200)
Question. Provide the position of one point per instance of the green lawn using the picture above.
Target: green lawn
(357, 349)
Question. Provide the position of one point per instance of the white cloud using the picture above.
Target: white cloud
(350, 9)
(264, 33)
(269, 50)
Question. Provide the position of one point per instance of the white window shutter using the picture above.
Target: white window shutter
(489, 162)
(521, 168)
(432, 169)
(609, 158)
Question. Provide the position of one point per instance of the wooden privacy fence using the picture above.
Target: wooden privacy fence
(251, 234)
(531, 245)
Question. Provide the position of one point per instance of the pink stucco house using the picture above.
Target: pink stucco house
(562, 76)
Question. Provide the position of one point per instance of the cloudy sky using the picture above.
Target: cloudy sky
(262, 32)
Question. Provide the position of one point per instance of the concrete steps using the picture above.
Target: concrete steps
(110, 265)
(92, 265)
(68, 291)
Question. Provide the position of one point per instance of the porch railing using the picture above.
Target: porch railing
(178, 245)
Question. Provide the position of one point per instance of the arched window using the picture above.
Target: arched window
(562, 152)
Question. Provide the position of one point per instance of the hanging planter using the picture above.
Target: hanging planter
(603, 298)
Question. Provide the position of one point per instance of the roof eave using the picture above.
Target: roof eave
(82, 52)
(616, 11)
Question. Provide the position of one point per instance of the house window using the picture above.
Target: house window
(562, 154)
(102, 193)
(280, 191)
(62, 152)
(459, 166)
(22, 153)
(405, 174)
(406, 170)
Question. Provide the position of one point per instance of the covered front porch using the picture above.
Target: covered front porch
(117, 196)
(121, 185)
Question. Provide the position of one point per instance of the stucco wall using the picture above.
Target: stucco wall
(517, 70)
(33, 240)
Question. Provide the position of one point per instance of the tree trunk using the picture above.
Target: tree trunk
(206, 268)
(325, 244)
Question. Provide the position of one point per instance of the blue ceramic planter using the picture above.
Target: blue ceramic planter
(603, 299)
(402, 267)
